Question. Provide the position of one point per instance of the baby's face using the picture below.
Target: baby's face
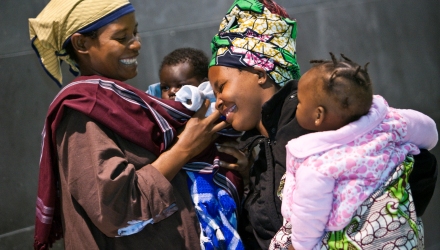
(173, 77)
(307, 100)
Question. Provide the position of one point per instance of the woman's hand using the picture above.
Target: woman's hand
(243, 163)
(199, 132)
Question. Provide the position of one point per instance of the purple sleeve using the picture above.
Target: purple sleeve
(422, 129)
(311, 206)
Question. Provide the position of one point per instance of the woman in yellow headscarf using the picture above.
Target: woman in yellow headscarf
(110, 165)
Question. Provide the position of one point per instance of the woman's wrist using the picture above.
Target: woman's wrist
(171, 161)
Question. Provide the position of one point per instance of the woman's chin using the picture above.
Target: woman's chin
(240, 126)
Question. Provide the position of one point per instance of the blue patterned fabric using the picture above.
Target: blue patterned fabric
(215, 200)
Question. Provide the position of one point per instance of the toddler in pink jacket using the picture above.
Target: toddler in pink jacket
(359, 143)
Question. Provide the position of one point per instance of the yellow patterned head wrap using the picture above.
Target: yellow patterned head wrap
(251, 35)
(60, 19)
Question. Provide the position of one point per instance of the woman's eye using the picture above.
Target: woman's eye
(221, 87)
(121, 39)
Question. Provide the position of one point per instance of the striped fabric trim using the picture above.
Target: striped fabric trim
(44, 213)
(43, 208)
(43, 135)
(43, 218)
(176, 114)
(132, 97)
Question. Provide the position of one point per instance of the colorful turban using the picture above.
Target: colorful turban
(50, 31)
(250, 35)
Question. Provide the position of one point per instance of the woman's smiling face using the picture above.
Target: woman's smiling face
(114, 52)
(240, 96)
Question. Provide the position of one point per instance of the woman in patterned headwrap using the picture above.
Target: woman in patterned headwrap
(254, 75)
(110, 165)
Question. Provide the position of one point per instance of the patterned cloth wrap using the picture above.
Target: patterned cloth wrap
(386, 220)
(215, 199)
(250, 35)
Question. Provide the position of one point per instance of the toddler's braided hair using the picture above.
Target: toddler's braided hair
(349, 85)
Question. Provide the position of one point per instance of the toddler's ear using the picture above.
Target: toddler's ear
(319, 116)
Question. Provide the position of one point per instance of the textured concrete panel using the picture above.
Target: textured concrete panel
(401, 62)
(24, 100)
(14, 27)
(155, 48)
(158, 15)
(400, 39)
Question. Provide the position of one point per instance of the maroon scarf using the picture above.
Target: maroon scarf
(138, 117)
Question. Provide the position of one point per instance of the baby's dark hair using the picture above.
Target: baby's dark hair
(349, 84)
(197, 58)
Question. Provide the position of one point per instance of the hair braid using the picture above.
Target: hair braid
(344, 68)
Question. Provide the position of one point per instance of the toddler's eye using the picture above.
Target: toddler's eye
(164, 88)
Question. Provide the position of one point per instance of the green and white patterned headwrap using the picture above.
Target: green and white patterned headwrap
(250, 35)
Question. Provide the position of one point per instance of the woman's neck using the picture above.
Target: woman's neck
(268, 94)
(262, 129)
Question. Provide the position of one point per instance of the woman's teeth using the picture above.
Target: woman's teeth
(230, 110)
(129, 61)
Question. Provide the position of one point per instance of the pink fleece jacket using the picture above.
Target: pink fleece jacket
(329, 174)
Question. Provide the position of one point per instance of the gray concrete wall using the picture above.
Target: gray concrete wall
(400, 39)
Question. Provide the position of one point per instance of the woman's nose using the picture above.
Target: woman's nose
(136, 43)
(218, 103)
